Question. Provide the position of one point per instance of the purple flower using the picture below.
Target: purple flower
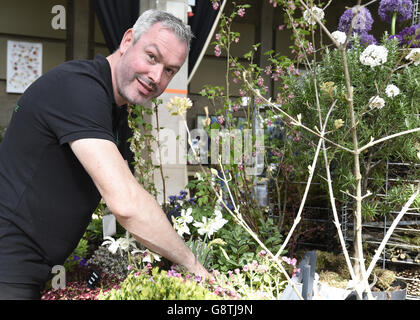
(409, 36)
(363, 21)
(403, 9)
(367, 39)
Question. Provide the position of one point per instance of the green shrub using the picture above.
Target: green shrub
(158, 286)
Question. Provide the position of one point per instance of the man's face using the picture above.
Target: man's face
(146, 68)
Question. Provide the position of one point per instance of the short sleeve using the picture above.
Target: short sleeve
(77, 107)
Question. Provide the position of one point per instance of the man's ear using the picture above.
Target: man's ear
(127, 41)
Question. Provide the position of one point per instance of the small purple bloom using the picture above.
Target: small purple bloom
(367, 39)
(403, 8)
(409, 36)
(363, 21)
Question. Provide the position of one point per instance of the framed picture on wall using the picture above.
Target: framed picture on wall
(24, 65)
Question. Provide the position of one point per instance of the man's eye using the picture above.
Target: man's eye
(170, 72)
(152, 57)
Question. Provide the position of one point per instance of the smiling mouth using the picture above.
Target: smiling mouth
(144, 87)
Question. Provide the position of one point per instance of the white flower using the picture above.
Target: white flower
(374, 55)
(180, 227)
(218, 222)
(178, 105)
(210, 226)
(148, 256)
(376, 102)
(204, 227)
(319, 13)
(122, 244)
(414, 56)
(180, 223)
(199, 177)
(186, 216)
(392, 91)
(339, 36)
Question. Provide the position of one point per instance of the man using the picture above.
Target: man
(61, 154)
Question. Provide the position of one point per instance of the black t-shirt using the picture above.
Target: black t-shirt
(46, 196)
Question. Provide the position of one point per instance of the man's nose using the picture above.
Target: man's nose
(155, 73)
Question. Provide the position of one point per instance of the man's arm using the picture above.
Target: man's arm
(134, 208)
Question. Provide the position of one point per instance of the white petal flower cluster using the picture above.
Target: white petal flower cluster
(392, 91)
(318, 12)
(376, 102)
(339, 36)
(122, 244)
(414, 56)
(210, 226)
(178, 105)
(374, 55)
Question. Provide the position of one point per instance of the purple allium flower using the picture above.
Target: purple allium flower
(367, 39)
(362, 24)
(409, 36)
(403, 8)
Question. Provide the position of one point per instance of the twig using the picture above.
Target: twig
(240, 220)
(373, 142)
(308, 184)
(296, 121)
(160, 158)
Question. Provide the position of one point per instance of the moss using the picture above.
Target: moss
(333, 279)
(328, 261)
(385, 278)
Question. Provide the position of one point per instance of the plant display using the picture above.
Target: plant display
(158, 285)
(347, 112)
(338, 113)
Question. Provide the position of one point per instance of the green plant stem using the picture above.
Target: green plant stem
(393, 23)
(160, 158)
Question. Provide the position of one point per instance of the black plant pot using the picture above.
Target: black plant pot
(398, 294)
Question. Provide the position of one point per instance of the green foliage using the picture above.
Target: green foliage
(141, 143)
(398, 114)
(240, 248)
(400, 194)
(159, 286)
(203, 251)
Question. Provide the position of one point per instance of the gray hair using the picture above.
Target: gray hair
(148, 18)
